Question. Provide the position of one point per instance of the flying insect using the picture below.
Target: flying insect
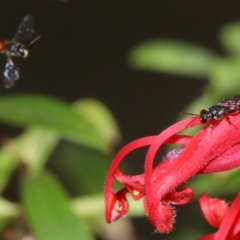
(17, 47)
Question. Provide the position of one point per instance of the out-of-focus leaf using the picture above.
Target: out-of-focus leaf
(90, 207)
(24, 110)
(100, 116)
(8, 211)
(225, 76)
(230, 38)
(82, 169)
(204, 101)
(33, 148)
(8, 163)
(48, 210)
(173, 57)
(229, 181)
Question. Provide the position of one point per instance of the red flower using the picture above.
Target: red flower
(219, 215)
(214, 148)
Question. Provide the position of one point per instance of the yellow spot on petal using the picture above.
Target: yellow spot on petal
(136, 193)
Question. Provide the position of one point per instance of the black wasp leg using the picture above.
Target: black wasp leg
(228, 119)
(225, 117)
(10, 73)
(25, 30)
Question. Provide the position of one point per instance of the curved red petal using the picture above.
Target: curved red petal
(134, 184)
(214, 209)
(109, 196)
(208, 144)
(155, 192)
(179, 197)
(230, 224)
(112, 199)
(118, 205)
(156, 144)
(179, 139)
(207, 237)
(227, 160)
(194, 157)
(162, 218)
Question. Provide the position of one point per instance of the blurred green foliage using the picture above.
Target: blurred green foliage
(43, 200)
(81, 137)
(173, 57)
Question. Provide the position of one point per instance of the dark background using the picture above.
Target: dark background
(84, 50)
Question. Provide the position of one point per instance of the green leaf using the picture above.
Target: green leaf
(230, 38)
(222, 183)
(100, 117)
(7, 165)
(174, 57)
(32, 150)
(8, 212)
(28, 148)
(52, 114)
(85, 169)
(90, 207)
(225, 76)
(48, 210)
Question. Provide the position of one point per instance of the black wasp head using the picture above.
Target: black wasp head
(204, 115)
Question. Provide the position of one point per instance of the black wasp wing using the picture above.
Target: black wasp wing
(10, 73)
(25, 30)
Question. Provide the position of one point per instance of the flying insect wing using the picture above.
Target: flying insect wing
(10, 73)
(25, 30)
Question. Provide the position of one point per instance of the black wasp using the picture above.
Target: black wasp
(220, 110)
(17, 47)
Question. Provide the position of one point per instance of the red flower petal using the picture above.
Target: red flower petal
(179, 197)
(229, 228)
(132, 184)
(204, 147)
(165, 223)
(118, 205)
(227, 160)
(110, 197)
(215, 148)
(214, 209)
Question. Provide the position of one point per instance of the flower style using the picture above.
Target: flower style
(220, 215)
(214, 148)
